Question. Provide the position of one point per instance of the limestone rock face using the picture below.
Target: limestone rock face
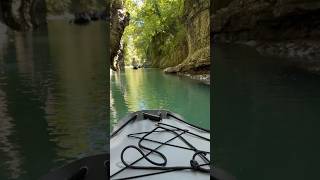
(167, 58)
(119, 59)
(197, 23)
(119, 19)
(267, 20)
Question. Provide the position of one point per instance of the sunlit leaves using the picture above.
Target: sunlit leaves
(149, 18)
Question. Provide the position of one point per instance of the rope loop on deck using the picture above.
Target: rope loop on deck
(194, 164)
(164, 163)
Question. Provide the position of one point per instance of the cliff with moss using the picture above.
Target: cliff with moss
(197, 24)
(288, 28)
(189, 47)
(168, 54)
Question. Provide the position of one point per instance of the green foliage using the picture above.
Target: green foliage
(148, 20)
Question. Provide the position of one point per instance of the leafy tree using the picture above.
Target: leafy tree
(149, 19)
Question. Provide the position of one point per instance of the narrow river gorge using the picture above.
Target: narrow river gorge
(135, 90)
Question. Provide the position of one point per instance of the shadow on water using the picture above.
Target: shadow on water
(52, 98)
(135, 90)
(266, 116)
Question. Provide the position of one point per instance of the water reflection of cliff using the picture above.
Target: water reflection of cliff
(137, 90)
(52, 98)
(8, 150)
(22, 103)
(118, 90)
(79, 60)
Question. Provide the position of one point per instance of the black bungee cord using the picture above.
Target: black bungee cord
(146, 154)
(159, 167)
(194, 165)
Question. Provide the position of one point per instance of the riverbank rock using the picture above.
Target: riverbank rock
(197, 23)
(287, 28)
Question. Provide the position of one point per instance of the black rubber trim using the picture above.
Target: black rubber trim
(156, 114)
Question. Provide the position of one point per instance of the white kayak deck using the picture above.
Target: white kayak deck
(175, 156)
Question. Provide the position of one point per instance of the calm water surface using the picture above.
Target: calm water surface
(266, 116)
(135, 90)
(52, 98)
